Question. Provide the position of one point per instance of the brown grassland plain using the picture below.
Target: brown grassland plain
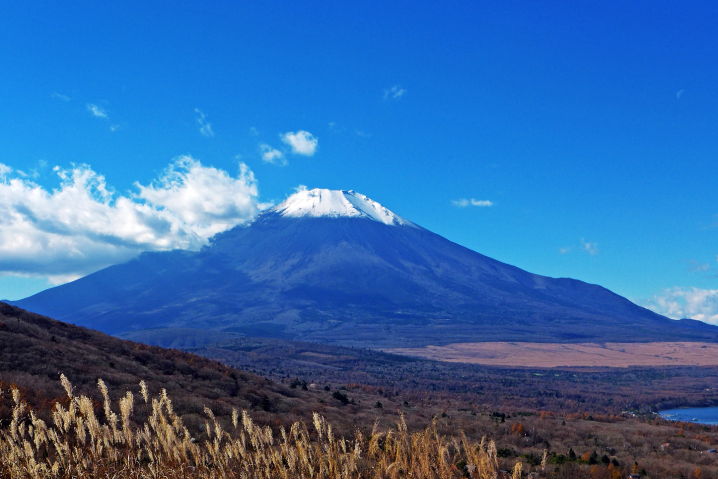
(550, 355)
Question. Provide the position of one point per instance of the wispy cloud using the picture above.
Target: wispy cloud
(589, 247)
(84, 224)
(464, 202)
(272, 155)
(698, 267)
(394, 92)
(301, 142)
(60, 96)
(336, 128)
(205, 127)
(97, 111)
(686, 302)
(680, 93)
(362, 134)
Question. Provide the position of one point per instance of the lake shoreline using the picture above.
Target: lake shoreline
(707, 416)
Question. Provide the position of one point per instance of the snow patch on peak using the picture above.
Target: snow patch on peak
(319, 202)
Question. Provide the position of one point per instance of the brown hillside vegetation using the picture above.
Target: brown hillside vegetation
(36, 350)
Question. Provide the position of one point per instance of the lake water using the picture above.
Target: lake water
(700, 415)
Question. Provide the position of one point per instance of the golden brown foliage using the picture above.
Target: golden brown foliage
(90, 440)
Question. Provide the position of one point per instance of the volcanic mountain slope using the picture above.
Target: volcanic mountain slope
(34, 350)
(336, 266)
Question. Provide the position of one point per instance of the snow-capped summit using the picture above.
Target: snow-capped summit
(336, 203)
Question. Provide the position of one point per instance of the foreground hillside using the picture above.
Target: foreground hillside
(35, 350)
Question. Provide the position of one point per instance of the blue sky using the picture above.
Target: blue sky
(590, 127)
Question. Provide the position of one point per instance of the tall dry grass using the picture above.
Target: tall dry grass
(92, 440)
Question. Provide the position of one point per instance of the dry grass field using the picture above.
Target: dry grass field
(91, 439)
(550, 355)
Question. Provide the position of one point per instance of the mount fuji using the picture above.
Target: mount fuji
(336, 266)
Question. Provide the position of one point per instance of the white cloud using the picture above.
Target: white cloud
(58, 279)
(205, 127)
(272, 155)
(301, 142)
(680, 93)
(564, 250)
(97, 111)
(394, 93)
(589, 247)
(83, 224)
(464, 202)
(690, 302)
